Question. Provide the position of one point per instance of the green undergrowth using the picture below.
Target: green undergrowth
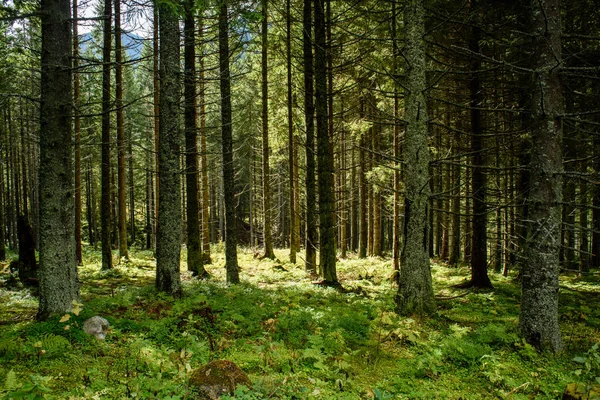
(295, 339)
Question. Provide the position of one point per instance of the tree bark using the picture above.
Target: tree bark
(268, 236)
(58, 267)
(203, 158)
(168, 236)
(538, 319)
(309, 110)
(194, 245)
(479, 274)
(121, 172)
(415, 291)
(231, 263)
(105, 207)
(77, 127)
(294, 233)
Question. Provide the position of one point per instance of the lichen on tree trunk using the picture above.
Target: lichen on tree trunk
(58, 266)
(538, 320)
(415, 290)
(168, 239)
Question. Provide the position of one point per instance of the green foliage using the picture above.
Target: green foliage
(34, 389)
(294, 339)
(590, 365)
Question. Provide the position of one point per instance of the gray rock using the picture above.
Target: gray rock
(96, 326)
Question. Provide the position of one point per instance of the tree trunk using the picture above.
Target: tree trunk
(479, 274)
(327, 253)
(194, 245)
(105, 207)
(266, 181)
(538, 319)
(58, 267)
(415, 291)
(231, 263)
(291, 140)
(121, 172)
(77, 127)
(168, 236)
(309, 110)
(203, 158)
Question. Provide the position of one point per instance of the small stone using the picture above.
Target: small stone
(217, 378)
(96, 326)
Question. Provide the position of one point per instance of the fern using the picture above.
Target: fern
(9, 346)
(11, 383)
(52, 343)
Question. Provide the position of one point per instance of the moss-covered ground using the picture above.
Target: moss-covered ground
(295, 339)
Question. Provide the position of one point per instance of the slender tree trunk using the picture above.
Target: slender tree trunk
(595, 262)
(479, 274)
(266, 181)
(291, 140)
(105, 208)
(77, 126)
(415, 291)
(2, 193)
(396, 133)
(309, 110)
(327, 253)
(194, 244)
(58, 267)
(231, 263)
(156, 93)
(203, 157)
(121, 172)
(168, 240)
(131, 187)
(538, 319)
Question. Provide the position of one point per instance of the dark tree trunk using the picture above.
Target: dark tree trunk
(268, 236)
(168, 235)
(203, 159)
(327, 253)
(415, 291)
(58, 267)
(309, 110)
(479, 274)
(538, 319)
(294, 225)
(231, 263)
(28, 268)
(77, 127)
(121, 172)
(194, 245)
(105, 207)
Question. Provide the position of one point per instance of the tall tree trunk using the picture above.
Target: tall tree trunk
(77, 127)
(309, 110)
(396, 133)
(415, 291)
(294, 233)
(2, 220)
(327, 253)
(268, 237)
(131, 187)
(105, 207)
(231, 263)
(121, 172)
(595, 262)
(194, 245)
(203, 157)
(479, 274)
(538, 319)
(156, 97)
(168, 236)
(58, 267)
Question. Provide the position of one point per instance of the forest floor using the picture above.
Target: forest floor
(295, 339)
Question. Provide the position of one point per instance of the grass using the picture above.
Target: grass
(295, 339)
